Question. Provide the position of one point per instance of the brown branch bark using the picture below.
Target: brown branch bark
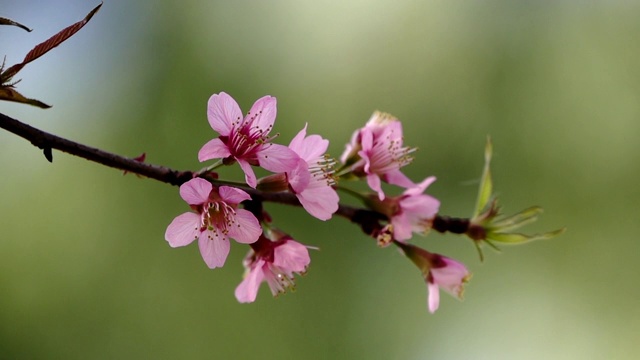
(47, 142)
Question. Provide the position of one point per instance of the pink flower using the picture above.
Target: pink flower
(410, 212)
(449, 275)
(274, 262)
(377, 152)
(246, 140)
(312, 179)
(216, 218)
(438, 272)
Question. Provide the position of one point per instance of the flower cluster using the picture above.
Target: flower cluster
(301, 168)
(303, 173)
(376, 154)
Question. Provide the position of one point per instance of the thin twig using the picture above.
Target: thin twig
(46, 142)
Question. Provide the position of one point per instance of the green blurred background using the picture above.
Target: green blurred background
(85, 272)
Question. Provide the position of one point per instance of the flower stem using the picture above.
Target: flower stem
(230, 183)
(211, 167)
(443, 224)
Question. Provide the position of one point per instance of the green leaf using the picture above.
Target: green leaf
(522, 238)
(517, 220)
(509, 238)
(486, 184)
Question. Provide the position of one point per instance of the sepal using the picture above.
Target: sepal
(489, 226)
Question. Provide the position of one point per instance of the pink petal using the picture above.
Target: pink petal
(450, 277)
(366, 139)
(222, 112)
(296, 142)
(309, 148)
(299, 177)
(396, 177)
(183, 229)
(249, 175)
(393, 132)
(213, 248)
(291, 256)
(374, 183)
(277, 158)
(420, 207)
(264, 110)
(418, 189)
(246, 229)
(320, 202)
(214, 149)
(274, 281)
(232, 195)
(352, 147)
(314, 146)
(196, 191)
(364, 158)
(247, 291)
(434, 297)
(402, 229)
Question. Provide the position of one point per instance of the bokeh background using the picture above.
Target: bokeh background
(85, 272)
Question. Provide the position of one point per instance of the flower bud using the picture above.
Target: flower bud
(439, 272)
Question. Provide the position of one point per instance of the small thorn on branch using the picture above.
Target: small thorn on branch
(48, 154)
(139, 158)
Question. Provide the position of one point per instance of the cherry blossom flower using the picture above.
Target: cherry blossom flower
(377, 152)
(215, 220)
(274, 262)
(410, 212)
(439, 272)
(312, 179)
(448, 274)
(246, 140)
(317, 196)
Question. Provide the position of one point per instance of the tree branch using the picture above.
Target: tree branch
(46, 142)
(368, 220)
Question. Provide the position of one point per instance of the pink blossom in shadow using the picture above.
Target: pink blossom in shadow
(446, 274)
(273, 262)
(439, 272)
(411, 212)
(376, 152)
(415, 211)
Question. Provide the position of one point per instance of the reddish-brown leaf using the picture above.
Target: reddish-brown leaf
(49, 44)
